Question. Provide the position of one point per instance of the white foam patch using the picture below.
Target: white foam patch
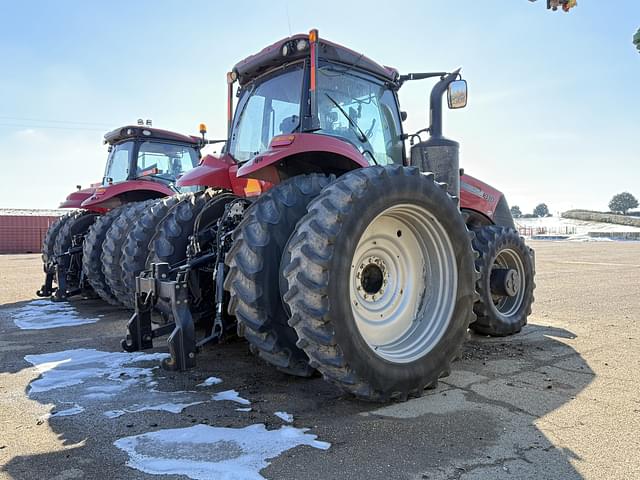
(166, 406)
(243, 409)
(42, 314)
(203, 452)
(73, 367)
(287, 417)
(109, 382)
(75, 410)
(210, 381)
(232, 396)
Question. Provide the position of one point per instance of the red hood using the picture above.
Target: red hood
(75, 199)
(106, 197)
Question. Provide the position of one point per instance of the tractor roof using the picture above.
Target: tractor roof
(148, 133)
(271, 56)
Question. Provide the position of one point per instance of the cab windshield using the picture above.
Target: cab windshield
(267, 108)
(118, 163)
(362, 111)
(166, 161)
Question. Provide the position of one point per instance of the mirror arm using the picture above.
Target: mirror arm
(419, 76)
(435, 103)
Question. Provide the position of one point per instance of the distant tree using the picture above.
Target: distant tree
(541, 210)
(516, 212)
(623, 202)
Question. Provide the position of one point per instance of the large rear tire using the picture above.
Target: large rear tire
(92, 253)
(254, 272)
(506, 281)
(78, 223)
(50, 237)
(170, 241)
(381, 282)
(136, 248)
(112, 249)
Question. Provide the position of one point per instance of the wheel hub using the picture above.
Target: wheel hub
(372, 277)
(505, 282)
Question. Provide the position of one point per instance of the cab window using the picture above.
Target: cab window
(362, 111)
(165, 160)
(270, 107)
(118, 163)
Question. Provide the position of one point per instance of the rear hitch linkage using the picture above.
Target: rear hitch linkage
(155, 290)
(152, 286)
(64, 268)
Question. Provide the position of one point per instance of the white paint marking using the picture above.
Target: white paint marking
(602, 264)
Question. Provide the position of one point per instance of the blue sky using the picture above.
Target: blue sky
(554, 98)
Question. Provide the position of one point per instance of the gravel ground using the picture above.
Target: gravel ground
(558, 401)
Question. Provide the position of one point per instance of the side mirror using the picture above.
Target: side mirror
(457, 94)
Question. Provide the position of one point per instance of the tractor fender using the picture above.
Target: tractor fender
(210, 172)
(222, 173)
(75, 199)
(485, 200)
(111, 196)
(270, 165)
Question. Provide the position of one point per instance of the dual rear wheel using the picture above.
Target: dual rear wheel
(376, 276)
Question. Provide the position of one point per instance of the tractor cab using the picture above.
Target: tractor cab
(306, 104)
(138, 152)
(303, 85)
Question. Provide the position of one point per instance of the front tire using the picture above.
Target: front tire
(376, 320)
(506, 281)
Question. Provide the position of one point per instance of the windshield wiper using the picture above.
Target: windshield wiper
(361, 136)
(359, 133)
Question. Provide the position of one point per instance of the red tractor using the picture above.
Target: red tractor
(329, 245)
(82, 250)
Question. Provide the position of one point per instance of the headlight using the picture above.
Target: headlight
(302, 44)
(285, 50)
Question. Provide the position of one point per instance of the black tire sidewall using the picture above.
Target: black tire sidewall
(495, 322)
(380, 373)
(72, 227)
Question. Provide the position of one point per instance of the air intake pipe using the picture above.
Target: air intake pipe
(438, 154)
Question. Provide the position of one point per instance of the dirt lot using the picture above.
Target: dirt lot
(558, 401)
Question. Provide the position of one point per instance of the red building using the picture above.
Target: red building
(22, 231)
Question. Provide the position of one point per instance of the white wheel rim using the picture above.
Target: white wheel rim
(403, 283)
